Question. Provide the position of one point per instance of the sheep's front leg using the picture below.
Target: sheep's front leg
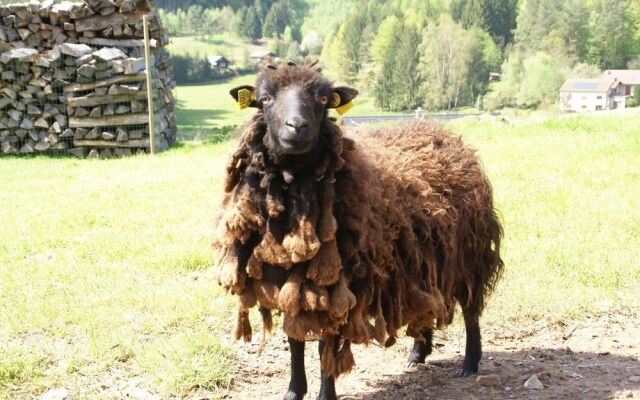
(298, 382)
(421, 349)
(327, 383)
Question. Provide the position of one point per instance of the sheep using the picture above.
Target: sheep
(351, 238)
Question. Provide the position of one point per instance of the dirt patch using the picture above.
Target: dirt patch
(594, 359)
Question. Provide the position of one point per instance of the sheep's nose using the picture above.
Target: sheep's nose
(296, 124)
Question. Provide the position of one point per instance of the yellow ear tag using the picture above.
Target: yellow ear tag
(245, 98)
(344, 108)
(335, 100)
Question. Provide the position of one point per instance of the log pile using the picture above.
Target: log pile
(73, 78)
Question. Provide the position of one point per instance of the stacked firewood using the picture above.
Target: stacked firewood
(73, 78)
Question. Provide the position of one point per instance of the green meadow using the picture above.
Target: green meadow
(105, 265)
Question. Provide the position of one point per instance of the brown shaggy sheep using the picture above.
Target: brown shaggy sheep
(351, 238)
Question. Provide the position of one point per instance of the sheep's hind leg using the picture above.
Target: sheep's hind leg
(421, 349)
(327, 383)
(298, 382)
(473, 349)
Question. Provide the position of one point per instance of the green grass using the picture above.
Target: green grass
(569, 193)
(104, 273)
(105, 264)
(202, 107)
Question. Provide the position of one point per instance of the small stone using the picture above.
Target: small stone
(488, 380)
(534, 383)
(634, 378)
(140, 394)
(55, 394)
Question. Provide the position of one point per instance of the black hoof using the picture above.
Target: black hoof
(465, 373)
(415, 358)
(290, 395)
(327, 396)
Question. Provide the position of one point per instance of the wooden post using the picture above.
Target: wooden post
(147, 58)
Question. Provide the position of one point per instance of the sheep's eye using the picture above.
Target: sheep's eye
(265, 100)
(324, 100)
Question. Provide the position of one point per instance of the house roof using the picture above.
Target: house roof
(261, 54)
(215, 59)
(588, 85)
(626, 76)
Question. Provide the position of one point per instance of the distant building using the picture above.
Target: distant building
(590, 95)
(218, 62)
(259, 56)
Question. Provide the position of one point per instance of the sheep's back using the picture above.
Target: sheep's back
(426, 215)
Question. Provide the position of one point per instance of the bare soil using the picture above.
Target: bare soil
(597, 358)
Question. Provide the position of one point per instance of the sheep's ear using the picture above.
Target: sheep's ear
(244, 97)
(342, 99)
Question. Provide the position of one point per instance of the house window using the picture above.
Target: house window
(584, 106)
(599, 97)
(598, 108)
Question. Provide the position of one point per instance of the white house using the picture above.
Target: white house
(589, 95)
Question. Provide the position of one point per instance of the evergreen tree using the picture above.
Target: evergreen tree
(277, 19)
(398, 82)
(195, 19)
(385, 38)
(345, 49)
(497, 17)
(385, 83)
(252, 28)
(270, 26)
(474, 13)
(239, 21)
(611, 45)
(406, 77)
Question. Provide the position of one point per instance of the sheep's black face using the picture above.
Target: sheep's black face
(293, 115)
(293, 101)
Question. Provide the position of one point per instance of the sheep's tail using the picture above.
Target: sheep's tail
(487, 261)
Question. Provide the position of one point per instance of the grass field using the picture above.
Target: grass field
(231, 47)
(106, 287)
(202, 107)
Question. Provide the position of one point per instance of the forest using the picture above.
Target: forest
(434, 54)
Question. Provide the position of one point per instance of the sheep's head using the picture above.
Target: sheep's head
(293, 101)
